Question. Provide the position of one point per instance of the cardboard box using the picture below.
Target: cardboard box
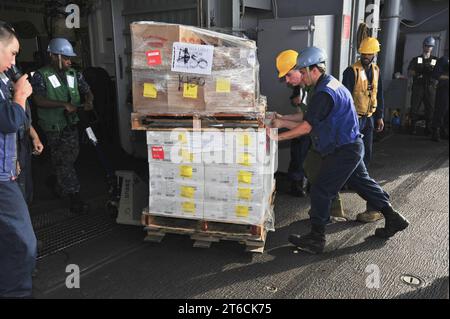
(176, 172)
(249, 194)
(152, 44)
(235, 212)
(175, 154)
(176, 136)
(150, 91)
(180, 190)
(230, 83)
(179, 208)
(233, 175)
(232, 91)
(170, 92)
(186, 93)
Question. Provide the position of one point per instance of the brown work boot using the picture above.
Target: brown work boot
(337, 213)
(369, 216)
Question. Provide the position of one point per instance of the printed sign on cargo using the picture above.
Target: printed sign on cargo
(153, 57)
(192, 58)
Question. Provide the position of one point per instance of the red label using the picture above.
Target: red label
(153, 57)
(157, 152)
(347, 27)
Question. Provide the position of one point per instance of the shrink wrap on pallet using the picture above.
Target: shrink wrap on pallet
(183, 69)
(238, 192)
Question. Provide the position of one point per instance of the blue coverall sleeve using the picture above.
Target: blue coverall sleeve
(348, 79)
(12, 116)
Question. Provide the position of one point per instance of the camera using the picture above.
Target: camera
(14, 73)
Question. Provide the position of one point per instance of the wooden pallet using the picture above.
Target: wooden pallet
(155, 121)
(204, 232)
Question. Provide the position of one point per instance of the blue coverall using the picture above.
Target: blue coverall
(343, 162)
(17, 238)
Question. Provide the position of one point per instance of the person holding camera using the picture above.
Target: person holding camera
(58, 93)
(17, 238)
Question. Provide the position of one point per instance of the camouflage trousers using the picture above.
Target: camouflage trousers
(64, 148)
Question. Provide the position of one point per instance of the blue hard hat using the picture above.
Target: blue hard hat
(429, 41)
(61, 46)
(311, 56)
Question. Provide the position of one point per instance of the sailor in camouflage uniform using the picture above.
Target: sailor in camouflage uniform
(58, 92)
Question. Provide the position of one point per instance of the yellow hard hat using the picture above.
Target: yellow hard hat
(369, 46)
(286, 61)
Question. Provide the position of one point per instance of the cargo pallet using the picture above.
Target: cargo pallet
(161, 121)
(204, 232)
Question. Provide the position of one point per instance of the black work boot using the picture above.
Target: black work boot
(394, 222)
(436, 135)
(313, 243)
(297, 189)
(77, 206)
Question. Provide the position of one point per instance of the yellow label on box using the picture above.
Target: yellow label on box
(245, 177)
(182, 138)
(190, 90)
(244, 139)
(186, 155)
(188, 207)
(245, 193)
(241, 211)
(150, 90)
(186, 171)
(223, 85)
(244, 159)
(187, 191)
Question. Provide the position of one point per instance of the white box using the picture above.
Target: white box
(231, 193)
(176, 154)
(175, 207)
(176, 136)
(246, 139)
(235, 212)
(234, 175)
(177, 189)
(238, 147)
(176, 172)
